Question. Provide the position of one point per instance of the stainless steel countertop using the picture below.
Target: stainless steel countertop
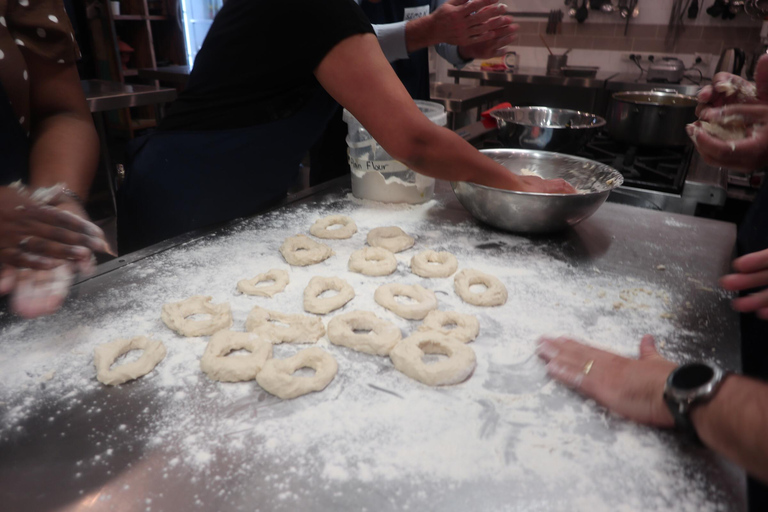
(175, 74)
(603, 80)
(462, 97)
(102, 95)
(54, 459)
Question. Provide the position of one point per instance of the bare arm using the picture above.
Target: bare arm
(734, 423)
(65, 147)
(356, 73)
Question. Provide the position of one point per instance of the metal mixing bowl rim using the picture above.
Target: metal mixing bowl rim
(619, 177)
(599, 124)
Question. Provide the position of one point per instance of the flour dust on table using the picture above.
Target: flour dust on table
(506, 431)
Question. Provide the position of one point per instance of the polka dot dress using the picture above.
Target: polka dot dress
(28, 29)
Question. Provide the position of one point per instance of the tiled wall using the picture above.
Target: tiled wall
(639, 38)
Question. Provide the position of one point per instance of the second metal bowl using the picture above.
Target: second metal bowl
(526, 212)
(546, 129)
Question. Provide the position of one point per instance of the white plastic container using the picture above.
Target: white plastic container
(376, 175)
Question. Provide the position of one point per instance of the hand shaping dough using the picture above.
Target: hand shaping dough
(426, 300)
(317, 285)
(494, 295)
(297, 328)
(218, 366)
(407, 357)
(347, 229)
(175, 315)
(390, 238)
(434, 264)
(373, 261)
(279, 278)
(104, 356)
(466, 326)
(277, 375)
(383, 335)
(300, 250)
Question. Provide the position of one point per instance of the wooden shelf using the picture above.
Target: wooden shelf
(157, 17)
(128, 17)
(130, 72)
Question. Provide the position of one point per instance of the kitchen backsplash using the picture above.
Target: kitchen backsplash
(601, 40)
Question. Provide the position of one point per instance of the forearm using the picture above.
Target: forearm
(735, 424)
(440, 153)
(65, 149)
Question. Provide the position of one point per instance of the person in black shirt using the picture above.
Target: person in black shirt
(264, 84)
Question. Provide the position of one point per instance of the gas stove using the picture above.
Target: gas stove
(670, 179)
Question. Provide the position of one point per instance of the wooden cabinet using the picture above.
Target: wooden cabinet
(145, 34)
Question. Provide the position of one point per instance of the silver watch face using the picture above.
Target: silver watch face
(693, 382)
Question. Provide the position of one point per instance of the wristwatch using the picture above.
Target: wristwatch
(689, 385)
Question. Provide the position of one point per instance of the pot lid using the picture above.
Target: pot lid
(667, 98)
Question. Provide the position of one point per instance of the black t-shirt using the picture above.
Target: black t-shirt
(256, 64)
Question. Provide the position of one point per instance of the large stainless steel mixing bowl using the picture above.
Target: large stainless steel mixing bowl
(526, 212)
(546, 129)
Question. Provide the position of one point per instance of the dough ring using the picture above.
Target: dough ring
(317, 286)
(494, 295)
(347, 229)
(300, 250)
(218, 366)
(426, 300)
(466, 326)
(277, 375)
(175, 315)
(279, 278)
(390, 238)
(297, 328)
(434, 264)
(373, 261)
(381, 339)
(105, 355)
(407, 357)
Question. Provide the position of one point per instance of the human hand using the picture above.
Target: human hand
(468, 22)
(752, 273)
(492, 47)
(728, 89)
(40, 236)
(633, 388)
(542, 186)
(747, 154)
(36, 293)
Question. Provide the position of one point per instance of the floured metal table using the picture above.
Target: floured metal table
(508, 438)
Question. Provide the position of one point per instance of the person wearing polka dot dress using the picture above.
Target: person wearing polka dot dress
(48, 157)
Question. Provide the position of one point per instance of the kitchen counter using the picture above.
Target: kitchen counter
(506, 439)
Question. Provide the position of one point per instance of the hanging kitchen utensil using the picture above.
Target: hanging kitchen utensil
(693, 10)
(623, 9)
(582, 13)
(608, 6)
(717, 8)
(631, 8)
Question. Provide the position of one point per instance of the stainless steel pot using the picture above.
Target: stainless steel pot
(546, 129)
(651, 118)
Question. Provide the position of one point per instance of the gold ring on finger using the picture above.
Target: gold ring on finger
(24, 242)
(588, 367)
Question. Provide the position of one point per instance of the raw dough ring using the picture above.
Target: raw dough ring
(373, 261)
(426, 300)
(104, 356)
(175, 315)
(407, 357)
(434, 264)
(467, 326)
(347, 229)
(218, 366)
(277, 375)
(300, 250)
(298, 328)
(280, 278)
(380, 341)
(318, 285)
(390, 238)
(495, 295)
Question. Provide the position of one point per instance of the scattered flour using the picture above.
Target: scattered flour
(374, 438)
